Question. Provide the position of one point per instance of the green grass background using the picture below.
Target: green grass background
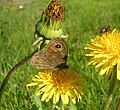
(82, 19)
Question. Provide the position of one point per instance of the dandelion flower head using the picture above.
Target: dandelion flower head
(64, 85)
(104, 52)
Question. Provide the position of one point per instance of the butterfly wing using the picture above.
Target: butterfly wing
(58, 50)
(42, 61)
(52, 55)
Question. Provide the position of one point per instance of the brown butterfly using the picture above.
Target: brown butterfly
(52, 56)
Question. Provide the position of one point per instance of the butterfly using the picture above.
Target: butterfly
(52, 56)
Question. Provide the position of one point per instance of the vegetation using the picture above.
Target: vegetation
(83, 20)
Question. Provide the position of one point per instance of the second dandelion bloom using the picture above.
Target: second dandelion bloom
(64, 85)
(104, 52)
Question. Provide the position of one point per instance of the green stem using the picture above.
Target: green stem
(107, 102)
(69, 106)
(73, 106)
(11, 71)
(112, 83)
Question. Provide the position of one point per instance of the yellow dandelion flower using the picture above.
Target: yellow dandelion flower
(58, 85)
(104, 52)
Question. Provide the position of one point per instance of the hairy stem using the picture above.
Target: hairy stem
(112, 84)
(11, 71)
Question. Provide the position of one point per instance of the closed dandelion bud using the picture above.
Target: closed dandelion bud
(50, 24)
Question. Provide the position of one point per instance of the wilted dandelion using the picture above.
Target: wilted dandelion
(50, 24)
(64, 85)
(104, 52)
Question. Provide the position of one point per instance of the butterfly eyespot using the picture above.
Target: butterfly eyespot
(58, 46)
(65, 57)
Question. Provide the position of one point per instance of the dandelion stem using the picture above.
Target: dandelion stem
(111, 88)
(73, 106)
(11, 71)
